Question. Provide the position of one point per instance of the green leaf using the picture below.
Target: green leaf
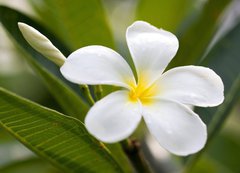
(60, 139)
(120, 156)
(227, 142)
(209, 165)
(229, 157)
(165, 14)
(35, 165)
(79, 22)
(195, 39)
(224, 60)
(17, 83)
(62, 91)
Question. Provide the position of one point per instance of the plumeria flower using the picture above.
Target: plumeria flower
(160, 97)
(157, 96)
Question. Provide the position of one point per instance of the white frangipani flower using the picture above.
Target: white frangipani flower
(157, 96)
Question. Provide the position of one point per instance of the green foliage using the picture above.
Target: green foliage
(61, 140)
(17, 84)
(70, 101)
(224, 60)
(29, 166)
(225, 144)
(198, 33)
(66, 94)
(79, 22)
(164, 14)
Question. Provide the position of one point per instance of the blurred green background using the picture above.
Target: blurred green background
(209, 34)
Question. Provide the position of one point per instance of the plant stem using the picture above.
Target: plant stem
(132, 150)
(98, 91)
(86, 93)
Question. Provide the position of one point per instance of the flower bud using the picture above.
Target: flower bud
(41, 44)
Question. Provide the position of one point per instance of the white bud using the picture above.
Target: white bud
(41, 43)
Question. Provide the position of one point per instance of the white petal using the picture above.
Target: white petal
(151, 48)
(113, 118)
(97, 65)
(194, 85)
(176, 128)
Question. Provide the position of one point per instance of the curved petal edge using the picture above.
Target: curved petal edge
(193, 85)
(97, 65)
(151, 48)
(114, 117)
(177, 128)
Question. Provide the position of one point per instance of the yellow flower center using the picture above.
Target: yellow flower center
(142, 92)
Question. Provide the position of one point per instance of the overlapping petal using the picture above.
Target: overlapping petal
(97, 65)
(176, 128)
(114, 117)
(151, 49)
(194, 85)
